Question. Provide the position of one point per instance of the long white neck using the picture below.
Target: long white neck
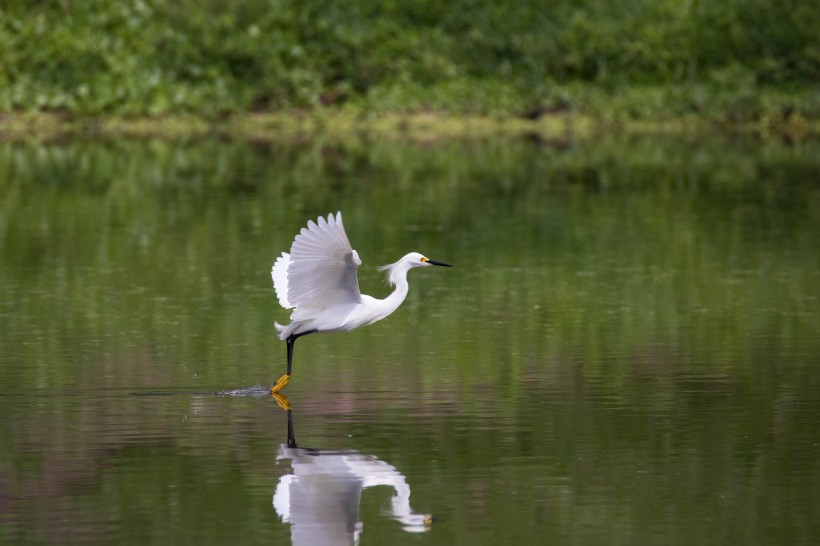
(396, 298)
(397, 276)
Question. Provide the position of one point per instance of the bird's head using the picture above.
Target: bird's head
(407, 262)
(414, 259)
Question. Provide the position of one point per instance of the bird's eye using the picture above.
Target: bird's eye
(423, 259)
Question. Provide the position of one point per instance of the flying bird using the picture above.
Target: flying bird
(317, 279)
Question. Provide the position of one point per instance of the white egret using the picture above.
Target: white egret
(318, 281)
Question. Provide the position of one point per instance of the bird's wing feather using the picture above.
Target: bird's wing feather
(279, 274)
(322, 266)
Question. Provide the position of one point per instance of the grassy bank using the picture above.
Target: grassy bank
(336, 125)
(657, 63)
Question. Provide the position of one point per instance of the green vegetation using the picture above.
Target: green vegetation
(732, 62)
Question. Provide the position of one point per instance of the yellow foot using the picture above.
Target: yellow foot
(282, 400)
(280, 384)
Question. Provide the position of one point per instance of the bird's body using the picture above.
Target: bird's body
(317, 279)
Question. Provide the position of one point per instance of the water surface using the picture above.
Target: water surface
(626, 350)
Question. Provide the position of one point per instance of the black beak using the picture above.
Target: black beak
(442, 264)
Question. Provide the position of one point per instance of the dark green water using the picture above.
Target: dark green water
(627, 350)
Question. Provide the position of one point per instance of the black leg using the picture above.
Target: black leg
(291, 340)
(282, 381)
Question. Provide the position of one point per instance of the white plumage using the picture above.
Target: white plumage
(317, 279)
(320, 498)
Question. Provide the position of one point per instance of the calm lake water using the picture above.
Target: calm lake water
(627, 350)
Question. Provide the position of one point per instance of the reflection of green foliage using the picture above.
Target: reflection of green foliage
(628, 341)
(159, 56)
(605, 243)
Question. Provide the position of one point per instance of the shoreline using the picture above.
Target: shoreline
(340, 125)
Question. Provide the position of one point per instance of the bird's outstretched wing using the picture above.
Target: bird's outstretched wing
(279, 274)
(321, 267)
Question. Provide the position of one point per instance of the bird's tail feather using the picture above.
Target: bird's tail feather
(286, 330)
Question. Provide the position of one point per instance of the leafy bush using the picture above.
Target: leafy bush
(221, 56)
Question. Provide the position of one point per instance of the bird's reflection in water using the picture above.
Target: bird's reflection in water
(320, 497)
